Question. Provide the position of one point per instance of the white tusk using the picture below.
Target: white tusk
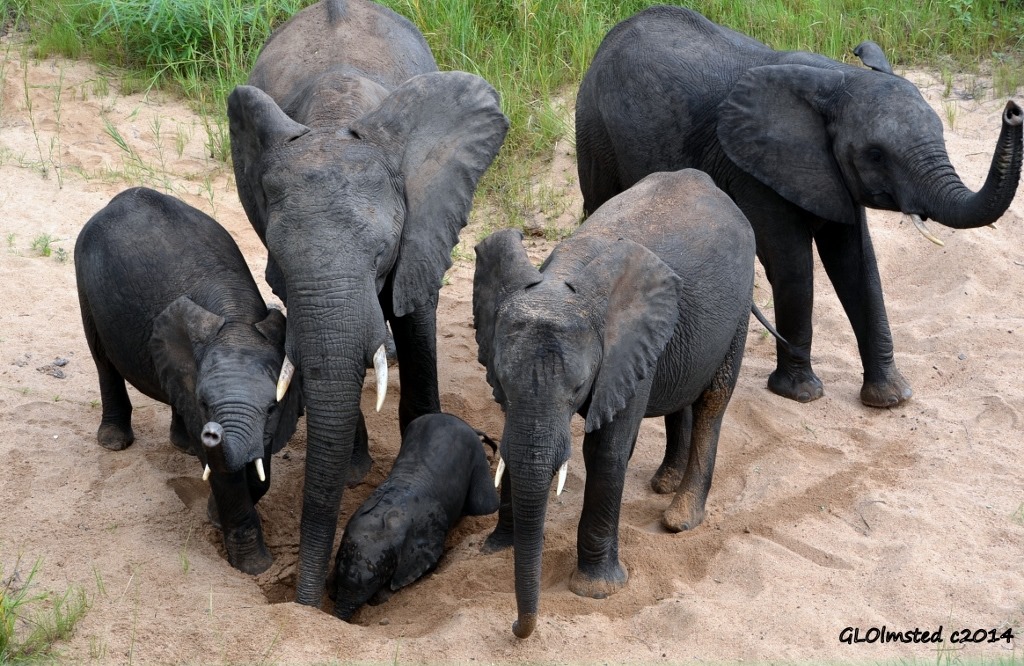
(259, 470)
(499, 472)
(562, 472)
(287, 370)
(206, 473)
(380, 368)
(919, 223)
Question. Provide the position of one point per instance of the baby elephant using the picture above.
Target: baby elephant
(169, 305)
(397, 535)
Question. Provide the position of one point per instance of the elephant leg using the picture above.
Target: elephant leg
(179, 433)
(687, 508)
(416, 340)
(849, 260)
(785, 252)
(361, 460)
(606, 453)
(115, 431)
(503, 535)
(239, 522)
(677, 451)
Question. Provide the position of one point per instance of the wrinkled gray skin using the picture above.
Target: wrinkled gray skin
(398, 534)
(356, 163)
(642, 312)
(802, 144)
(168, 305)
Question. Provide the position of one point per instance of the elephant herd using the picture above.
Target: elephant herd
(356, 162)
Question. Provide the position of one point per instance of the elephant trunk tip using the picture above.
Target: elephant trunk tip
(525, 625)
(1013, 115)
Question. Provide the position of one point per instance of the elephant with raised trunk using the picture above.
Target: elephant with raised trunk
(356, 163)
(642, 312)
(169, 305)
(802, 144)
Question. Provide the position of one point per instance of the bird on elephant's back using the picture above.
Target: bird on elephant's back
(802, 144)
(356, 163)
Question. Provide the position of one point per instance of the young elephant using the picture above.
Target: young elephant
(169, 305)
(642, 312)
(397, 535)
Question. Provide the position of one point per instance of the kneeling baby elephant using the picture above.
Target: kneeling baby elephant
(169, 305)
(643, 311)
(398, 534)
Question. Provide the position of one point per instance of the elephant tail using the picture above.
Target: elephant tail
(768, 325)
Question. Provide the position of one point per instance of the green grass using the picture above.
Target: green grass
(533, 51)
(32, 622)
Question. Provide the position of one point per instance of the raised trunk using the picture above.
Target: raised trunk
(957, 206)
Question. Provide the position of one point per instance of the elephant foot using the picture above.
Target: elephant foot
(211, 512)
(115, 437)
(359, 467)
(894, 390)
(666, 480)
(803, 387)
(499, 539)
(246, 550)
(600, 585)
(685, 513)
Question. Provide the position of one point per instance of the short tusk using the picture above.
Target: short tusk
(259, 470)
(919, 223)
(287, 370)
(380, 369)
(499, 472)
(562, 472)
(206, 473)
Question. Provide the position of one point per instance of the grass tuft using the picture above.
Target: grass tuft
(31, 623)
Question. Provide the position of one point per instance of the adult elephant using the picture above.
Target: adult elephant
(802, 144)
(643, 311)
(356, 163)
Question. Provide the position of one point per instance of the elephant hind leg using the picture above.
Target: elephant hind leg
(115, 431)
(687, 509)
(678, 427)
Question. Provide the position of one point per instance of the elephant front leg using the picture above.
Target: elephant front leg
(416, 341)
(606, 453)
(239, 522)
(788, 262)
(504, 532)
(849, 260)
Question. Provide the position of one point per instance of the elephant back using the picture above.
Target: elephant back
(357, 37)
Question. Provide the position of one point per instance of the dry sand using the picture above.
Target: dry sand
(822, 516)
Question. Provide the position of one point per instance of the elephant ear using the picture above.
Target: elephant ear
(502, 268)
(640, 297)
(257, 124)
(773, 125)
(180, 335)
(872, 55)
(422, 548)
(446, 128)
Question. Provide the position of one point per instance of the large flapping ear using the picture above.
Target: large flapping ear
(502, 268)
(640, 294)
(872, 55)
(773, 126)
(180, 333)
(423, 546)
(257, 124)
(446, 127)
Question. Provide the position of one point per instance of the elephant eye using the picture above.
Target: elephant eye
(875, 155)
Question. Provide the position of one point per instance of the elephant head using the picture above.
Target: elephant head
(349, 211)
(833, 139)
(579, 338)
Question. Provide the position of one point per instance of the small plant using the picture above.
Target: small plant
(41, 244)
(10, 241)
(183, 554)
(31, 623)
(950, 109)
(1018, 515)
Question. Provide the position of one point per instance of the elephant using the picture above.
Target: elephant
(356, 162)
(802, 144)
(169, 306)
(642, 312)
(398, 534)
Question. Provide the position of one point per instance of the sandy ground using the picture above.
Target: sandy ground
(821, 517)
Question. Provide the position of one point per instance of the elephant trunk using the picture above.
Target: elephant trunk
(960, 208)
(530, 486)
